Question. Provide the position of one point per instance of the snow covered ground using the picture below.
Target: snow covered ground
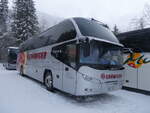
(23, 95)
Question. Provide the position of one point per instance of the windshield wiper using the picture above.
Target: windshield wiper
(108, 67)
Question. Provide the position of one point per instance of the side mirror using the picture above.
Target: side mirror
(85, 43)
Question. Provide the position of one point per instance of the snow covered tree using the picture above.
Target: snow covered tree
(3, 15)
(25, 23)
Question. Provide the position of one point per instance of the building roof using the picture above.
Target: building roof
(141, 32)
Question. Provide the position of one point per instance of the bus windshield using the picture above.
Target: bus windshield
(95, 29)
(12, 55)
(102, 54)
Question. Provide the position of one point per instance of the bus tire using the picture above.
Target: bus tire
(48, 81)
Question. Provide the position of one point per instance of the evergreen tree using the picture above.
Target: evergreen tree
(25, 23)
(3, 15)
(115, 30)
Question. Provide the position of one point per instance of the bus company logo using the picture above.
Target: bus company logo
(22, 58)
(110, 76)
(136, 60)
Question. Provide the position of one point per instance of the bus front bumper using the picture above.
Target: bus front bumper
(96, 87)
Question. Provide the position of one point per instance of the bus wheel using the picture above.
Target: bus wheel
(48, 81)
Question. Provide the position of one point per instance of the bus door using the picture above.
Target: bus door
(131, 73)
(144, 72)
(57, 67)
(69, 73)
(57, 73)
(66, 54)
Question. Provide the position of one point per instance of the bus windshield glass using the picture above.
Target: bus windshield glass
(95, 29)
(102, 54)
(12, 55)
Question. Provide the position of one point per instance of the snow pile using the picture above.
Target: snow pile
(23, 95)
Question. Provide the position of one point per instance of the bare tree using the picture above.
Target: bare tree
(143, 21)
(138, 23)
(146, 14)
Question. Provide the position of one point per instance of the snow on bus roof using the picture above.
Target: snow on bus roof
(13, 47)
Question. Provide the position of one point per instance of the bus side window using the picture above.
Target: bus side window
(71, 54)
(66, 54)
(66, 31)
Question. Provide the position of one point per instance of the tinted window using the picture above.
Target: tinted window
(12, 55)
(102, 54)
(67, 31)
(66, 54)
(93, 28)
(61, 32)
(58, 33)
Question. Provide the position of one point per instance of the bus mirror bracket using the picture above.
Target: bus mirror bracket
(86, 48)
(127, 50)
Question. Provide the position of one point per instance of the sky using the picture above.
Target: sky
(111, 12)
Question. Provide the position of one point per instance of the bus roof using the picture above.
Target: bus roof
(13, 47)
(63, 31)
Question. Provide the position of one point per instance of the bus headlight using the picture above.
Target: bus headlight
(86, 77)
(90, 79)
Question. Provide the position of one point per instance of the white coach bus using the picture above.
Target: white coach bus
(137, 64)
(11, 58)
(78, 56)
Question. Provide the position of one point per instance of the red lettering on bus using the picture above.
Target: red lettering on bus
(110, 76)
(40, 55)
